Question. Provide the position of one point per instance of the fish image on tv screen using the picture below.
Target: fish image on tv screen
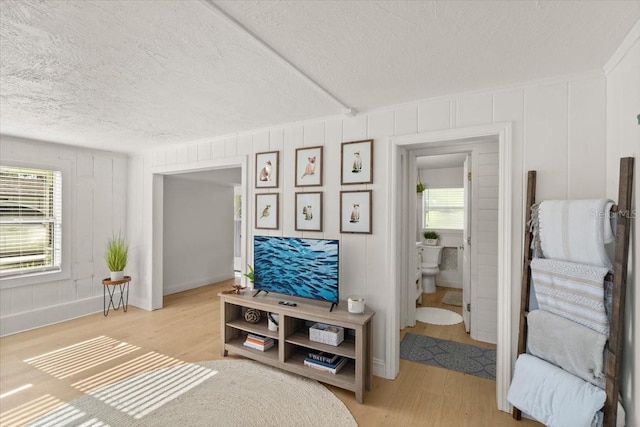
(301, 267)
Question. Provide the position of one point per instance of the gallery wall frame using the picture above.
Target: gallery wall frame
(356, 212)
(309, 165)
(356, 162)
(267, 169)
(267, 211)
(308, 211)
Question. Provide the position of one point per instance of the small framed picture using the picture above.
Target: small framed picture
(309, 166)
(357, 162)
(267, 169)
(267, 211)
(309, 211)
(355, 212)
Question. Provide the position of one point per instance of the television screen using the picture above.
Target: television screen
(296, 266)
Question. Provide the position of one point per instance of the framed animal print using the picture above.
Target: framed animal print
(356, 211)
(267, 169)
(267, 211)
(309, 166)
(309, 211)
(357, 162)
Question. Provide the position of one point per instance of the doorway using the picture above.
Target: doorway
(402, 233)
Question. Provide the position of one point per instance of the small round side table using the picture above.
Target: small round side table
(110, 287)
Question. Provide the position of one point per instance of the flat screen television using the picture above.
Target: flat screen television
(295, 266)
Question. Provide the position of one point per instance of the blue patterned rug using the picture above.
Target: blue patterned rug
(466, 358)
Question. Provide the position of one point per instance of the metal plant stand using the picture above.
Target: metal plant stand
(110, 287)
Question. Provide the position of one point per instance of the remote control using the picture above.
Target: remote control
(289, 303)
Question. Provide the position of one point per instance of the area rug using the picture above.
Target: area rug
(455, 356)
(437, 316)
(221, 393)
(453, 298)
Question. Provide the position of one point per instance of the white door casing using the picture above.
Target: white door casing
(466, 250)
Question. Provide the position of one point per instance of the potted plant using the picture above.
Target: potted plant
(249, 275)
(431, 238)
(116, 256)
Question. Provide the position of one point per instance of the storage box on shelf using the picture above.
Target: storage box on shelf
(293, 342)
(326, 334)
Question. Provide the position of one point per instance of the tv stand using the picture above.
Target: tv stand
(292, 338)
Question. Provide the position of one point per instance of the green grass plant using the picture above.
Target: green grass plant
(116, 254)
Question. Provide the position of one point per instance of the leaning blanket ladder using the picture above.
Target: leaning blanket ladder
(619, 278)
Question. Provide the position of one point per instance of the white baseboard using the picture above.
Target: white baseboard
(180, 287)
(25, 321)
(379, 368)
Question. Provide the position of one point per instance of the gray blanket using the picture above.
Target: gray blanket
(569, 345)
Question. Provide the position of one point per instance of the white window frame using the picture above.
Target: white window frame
(65, 167)
(424, 209)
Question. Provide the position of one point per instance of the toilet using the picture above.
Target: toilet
(431, 258)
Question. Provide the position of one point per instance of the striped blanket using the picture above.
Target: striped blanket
(573, 291)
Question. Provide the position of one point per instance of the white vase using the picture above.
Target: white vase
(117, 275)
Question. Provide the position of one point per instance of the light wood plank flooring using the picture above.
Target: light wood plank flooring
(187, 328)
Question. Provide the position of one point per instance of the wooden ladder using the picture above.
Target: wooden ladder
(619, 278)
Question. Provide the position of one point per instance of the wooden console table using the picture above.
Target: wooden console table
(292, 337)
(110, 287)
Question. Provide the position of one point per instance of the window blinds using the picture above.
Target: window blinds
(444, 208)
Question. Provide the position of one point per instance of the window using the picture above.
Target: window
(443, 208)
(30, 221)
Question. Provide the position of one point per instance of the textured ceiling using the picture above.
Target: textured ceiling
(125, 76)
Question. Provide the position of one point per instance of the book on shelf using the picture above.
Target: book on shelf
(259, 337)
(258, 342)
(258, 346)
(326, 366)
(323, 356)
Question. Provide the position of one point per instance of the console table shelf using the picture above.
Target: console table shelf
(292, 343)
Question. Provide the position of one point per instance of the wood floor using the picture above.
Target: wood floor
(187, 328)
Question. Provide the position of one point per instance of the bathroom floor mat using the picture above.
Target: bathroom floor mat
(453, 298)
(437, 316)
(455, 356)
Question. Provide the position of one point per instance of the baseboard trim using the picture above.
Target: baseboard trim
(379, 368)
(181, 287)
(33, 319)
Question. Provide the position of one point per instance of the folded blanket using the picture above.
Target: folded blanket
(573, 347)
(552, 396)
(574, 230)
(572, 291)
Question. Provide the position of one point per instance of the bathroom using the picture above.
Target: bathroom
(441, 209)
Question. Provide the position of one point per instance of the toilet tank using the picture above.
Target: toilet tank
(432, 255)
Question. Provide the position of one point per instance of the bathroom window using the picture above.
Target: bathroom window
(443, 208)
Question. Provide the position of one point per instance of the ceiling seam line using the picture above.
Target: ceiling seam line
(221, 13)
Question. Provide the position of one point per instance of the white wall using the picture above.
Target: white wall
(198, 234)
(623, 139)
(558, 129)
(97, 207)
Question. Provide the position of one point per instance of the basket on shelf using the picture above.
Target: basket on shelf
(326, 334)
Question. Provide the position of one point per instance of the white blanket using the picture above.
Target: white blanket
(572, 291)
(552, 396)
(576, 230)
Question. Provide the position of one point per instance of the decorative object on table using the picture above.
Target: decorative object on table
(273, 321)
(357, 162)
(252, 315)
(308, 211)
(267, 169)
(326, 334)
(355, 304)
(237, 289)
(116, 256)
(356, 211)
(309, 166)
(431, 238)
(267, 211)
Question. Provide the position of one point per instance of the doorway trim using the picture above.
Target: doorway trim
(398, 192)
(157, 217)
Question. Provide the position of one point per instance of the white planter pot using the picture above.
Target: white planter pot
(117, 275)
(431, 242)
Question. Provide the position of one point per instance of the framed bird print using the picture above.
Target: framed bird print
(357, 162)
(309, 211)
(267, 211)
(267, 169)
(309, 166)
